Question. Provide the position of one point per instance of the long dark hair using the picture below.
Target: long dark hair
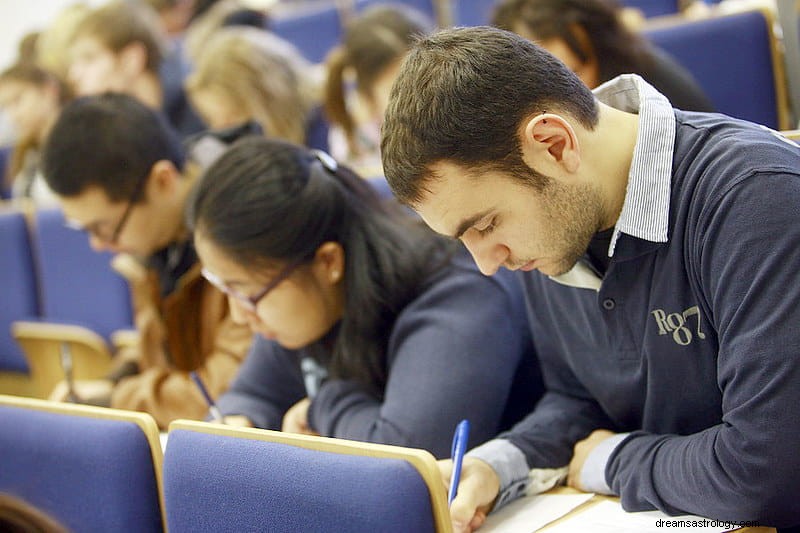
(618, 50)
(266, 201)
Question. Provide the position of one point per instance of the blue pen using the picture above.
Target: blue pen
(212, 407)
(460, 440)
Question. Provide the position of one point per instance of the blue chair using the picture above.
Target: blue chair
(5, 157)
(19, 286)
(218, 478)
(653, 8)
(314, 31)
(472, 12)
(78, 285)
(733, 58)
(90, 468)
(424, 6)
(381, 186)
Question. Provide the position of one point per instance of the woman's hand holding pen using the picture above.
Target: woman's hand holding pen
(477, 492)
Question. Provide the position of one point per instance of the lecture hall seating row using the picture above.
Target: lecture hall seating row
(50, 275)
(97, 470)
(735, 57)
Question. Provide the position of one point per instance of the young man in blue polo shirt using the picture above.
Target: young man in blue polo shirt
(658, 250)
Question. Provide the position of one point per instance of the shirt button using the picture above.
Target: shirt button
(609, 304)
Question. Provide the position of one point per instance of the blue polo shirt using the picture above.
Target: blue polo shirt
(688, 346)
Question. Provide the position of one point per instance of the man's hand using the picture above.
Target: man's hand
(90, 391)
(476, 494)
(581, 452)
(296, 418)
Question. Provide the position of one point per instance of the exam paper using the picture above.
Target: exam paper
(530, 513)
(609, 517)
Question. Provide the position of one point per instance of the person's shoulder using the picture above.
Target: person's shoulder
(737, 141)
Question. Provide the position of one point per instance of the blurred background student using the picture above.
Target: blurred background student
(371, 327)
(123, 177)
(120, 47)
(591, 39)
(245, 74)
(367, 61)
(32, 99)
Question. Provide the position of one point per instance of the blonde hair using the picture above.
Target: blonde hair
(53, 43)
(263, 75)
(33, 76)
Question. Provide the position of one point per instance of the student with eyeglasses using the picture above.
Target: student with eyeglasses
(370, 327)
(121, 175)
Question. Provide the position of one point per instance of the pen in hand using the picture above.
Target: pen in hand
(459, 448)
(216, 416)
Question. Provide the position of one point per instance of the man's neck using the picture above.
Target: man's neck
(608, 151)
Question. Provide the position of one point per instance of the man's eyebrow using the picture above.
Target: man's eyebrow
(468, 223)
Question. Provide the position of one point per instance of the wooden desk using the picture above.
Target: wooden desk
(598, 498)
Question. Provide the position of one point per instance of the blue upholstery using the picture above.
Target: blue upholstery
(653, 8)
(78, 285)
(317, 130)
(472, 12)
(223, 483)
(89, 474)
(730, 57)
(19, 300)
(381, 186)
(5, 157)
(424, 6)
(314, 32)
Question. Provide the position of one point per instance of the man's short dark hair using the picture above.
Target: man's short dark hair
(462, 96)
(110, 141)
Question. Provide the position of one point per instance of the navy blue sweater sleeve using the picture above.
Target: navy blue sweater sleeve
(744, 255)
(269, 382)
(453, 354)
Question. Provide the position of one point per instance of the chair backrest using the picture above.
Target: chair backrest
(90, 468)
(734, 58)
(472, 12)
(77, 285)
(218, 478)
(19, 292)
(314, 30)
(5, 157)
(653, 8)
(44, 344)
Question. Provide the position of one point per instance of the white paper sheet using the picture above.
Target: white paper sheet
(530, 513)
(609, 517)
(163, 437)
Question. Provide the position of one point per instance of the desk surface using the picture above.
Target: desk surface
(598, 498)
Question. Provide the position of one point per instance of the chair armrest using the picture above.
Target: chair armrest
(42, 343)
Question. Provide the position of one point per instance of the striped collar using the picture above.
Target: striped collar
(645, 211)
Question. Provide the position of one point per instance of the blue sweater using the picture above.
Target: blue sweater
(459, 350)
(692, 345)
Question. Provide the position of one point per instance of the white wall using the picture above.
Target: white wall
(18, 17)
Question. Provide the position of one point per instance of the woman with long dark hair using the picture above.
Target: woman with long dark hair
(369, 326)
(590, 37)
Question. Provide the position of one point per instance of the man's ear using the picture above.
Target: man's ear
(133, 59)
(163, 178)
(549, 140)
